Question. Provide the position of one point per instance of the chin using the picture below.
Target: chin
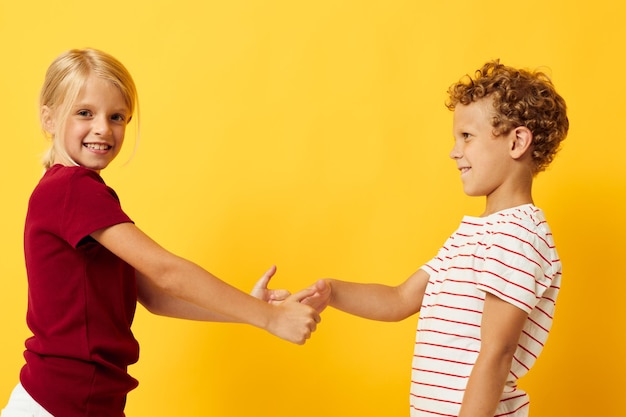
(94, 167)
(473, 193)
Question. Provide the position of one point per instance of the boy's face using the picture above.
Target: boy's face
(94, 131)
(482, 158)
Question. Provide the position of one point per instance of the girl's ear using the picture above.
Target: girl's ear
(521, 141)
(47, 119)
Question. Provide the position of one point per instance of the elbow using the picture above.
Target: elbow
(500, 354)
(395, 315)
(152, 291)
(150, 296)
(148, 304)
(164, 278)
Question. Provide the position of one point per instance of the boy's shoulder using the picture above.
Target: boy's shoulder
(525, 223)
(523, 229)
(527, 213)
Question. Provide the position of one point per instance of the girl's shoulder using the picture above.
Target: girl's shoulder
(62, 172)
(59, 182)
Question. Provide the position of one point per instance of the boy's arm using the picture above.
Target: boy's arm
(501, 328)
(380, 302)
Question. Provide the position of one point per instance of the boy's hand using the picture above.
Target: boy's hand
(261, 291)
(321, 298)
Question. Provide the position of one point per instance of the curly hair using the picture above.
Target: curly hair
(520, 98)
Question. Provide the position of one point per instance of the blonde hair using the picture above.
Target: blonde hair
(67, 75)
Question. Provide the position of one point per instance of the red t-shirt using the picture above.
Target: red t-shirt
(81, 298)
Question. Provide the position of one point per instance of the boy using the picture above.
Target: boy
(486, 301)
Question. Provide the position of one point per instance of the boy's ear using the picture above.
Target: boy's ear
(521, 141)
(47, 119)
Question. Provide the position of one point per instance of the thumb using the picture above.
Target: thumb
(302, 294)
(265, 279)
(321, 299)
(321, 286)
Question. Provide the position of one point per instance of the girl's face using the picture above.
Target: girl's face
(94, 131)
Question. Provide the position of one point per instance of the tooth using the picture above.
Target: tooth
(96, 146)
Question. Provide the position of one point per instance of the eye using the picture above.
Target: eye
(466, 136)
(83, 113)
(118, 117)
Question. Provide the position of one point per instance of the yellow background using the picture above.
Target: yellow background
(313, 135)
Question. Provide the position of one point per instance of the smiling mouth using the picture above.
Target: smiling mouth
(464, 170)
(97, 146)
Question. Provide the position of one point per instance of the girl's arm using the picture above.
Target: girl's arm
(377, 301)
(160, 302)
(500, 330)
(204, 296)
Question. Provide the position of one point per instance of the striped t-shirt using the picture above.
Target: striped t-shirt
(510, 254)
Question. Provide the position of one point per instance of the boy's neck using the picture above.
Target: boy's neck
(491, 209)
(509, 197)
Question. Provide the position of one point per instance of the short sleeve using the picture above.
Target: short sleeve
(89, 205)
(519, 263)
(433, 266)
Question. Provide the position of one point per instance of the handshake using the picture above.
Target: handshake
(296, 315)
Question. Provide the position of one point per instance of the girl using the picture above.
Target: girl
(88, 264)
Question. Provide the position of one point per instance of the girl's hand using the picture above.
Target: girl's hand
(292, 320)
(261, 291)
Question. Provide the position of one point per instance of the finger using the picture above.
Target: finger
(265, 279)
(279, 295)
(316, 319)
(313, 303)
(302, 294)
(320, 300)
(322, 286)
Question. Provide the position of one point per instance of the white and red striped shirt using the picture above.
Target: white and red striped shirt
(510, 254)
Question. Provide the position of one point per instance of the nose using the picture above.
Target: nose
(456, 153)
(101, 126)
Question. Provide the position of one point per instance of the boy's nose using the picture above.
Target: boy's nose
(456, 153)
